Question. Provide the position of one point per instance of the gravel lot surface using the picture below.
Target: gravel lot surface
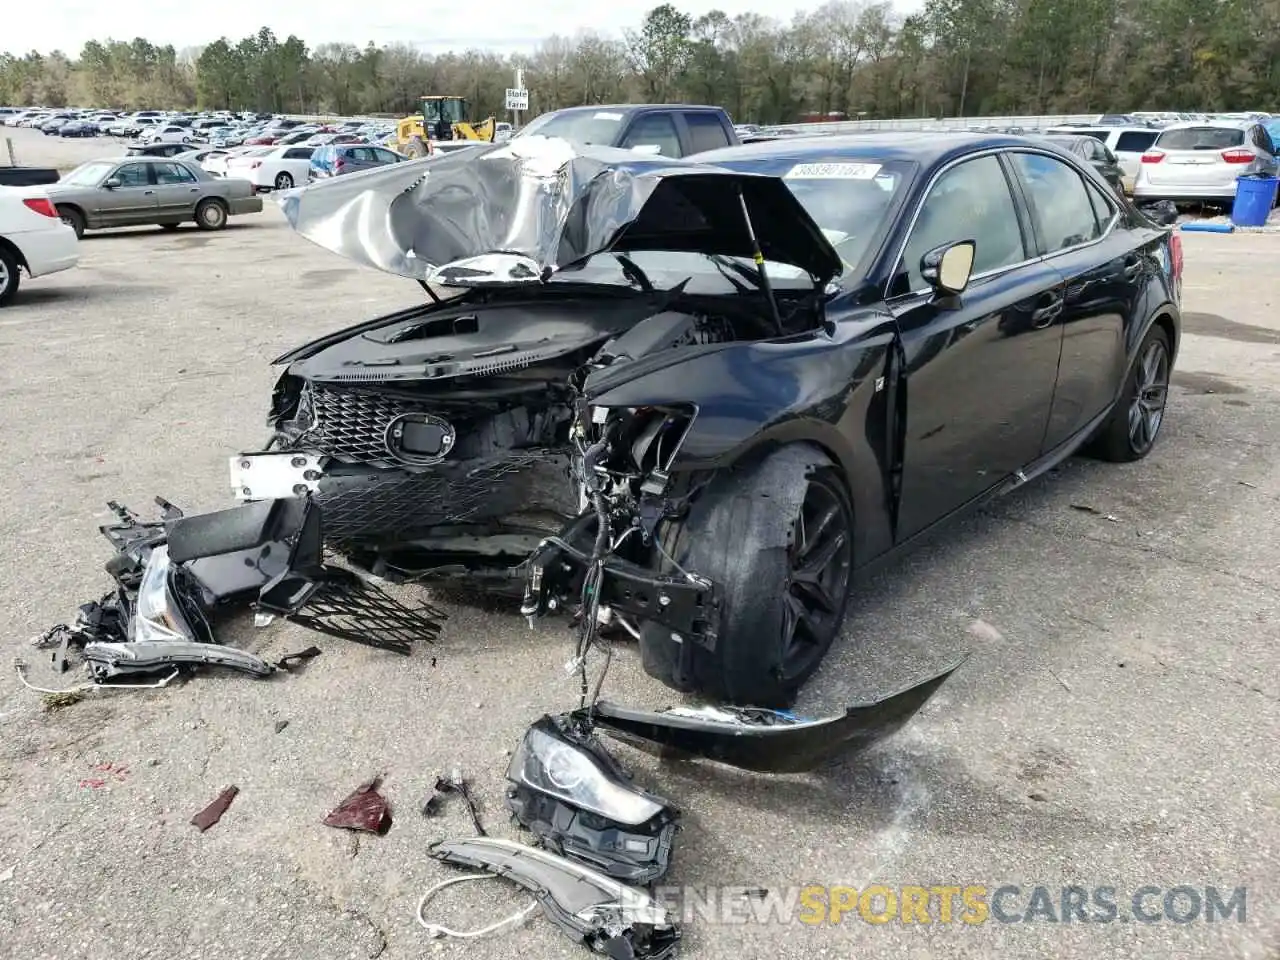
(1115, 725)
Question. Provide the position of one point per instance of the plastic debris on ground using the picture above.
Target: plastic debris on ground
(365, 809)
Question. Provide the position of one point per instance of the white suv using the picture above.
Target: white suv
(1201, 161)
(1127, 143)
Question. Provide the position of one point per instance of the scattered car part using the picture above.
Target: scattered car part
(364, 809)
(176, 576)
(439, 930)
(455, 784)
(110, 661)
(605, 915)
(564, 788)
(211, 814)
(767, 741)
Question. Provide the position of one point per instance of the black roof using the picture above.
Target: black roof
(923, 147)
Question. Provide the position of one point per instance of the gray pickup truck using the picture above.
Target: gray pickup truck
(669, 129)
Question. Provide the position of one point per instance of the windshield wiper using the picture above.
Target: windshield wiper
(723, 262)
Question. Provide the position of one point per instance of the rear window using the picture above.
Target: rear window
(1200, 138)
(706, 132)
(1136, 141)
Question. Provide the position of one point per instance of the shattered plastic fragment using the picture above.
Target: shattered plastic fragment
(365, 809)
(211, 814)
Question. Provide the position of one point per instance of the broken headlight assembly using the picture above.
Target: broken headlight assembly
(565, 789)
(159, 614)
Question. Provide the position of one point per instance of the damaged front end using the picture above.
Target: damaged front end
(445, 441)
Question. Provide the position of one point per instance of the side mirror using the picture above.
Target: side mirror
(111, 182)
(947, 268)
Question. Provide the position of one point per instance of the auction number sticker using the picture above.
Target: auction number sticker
(833, 171)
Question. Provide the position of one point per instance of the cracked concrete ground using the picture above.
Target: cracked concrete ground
(1115, 724)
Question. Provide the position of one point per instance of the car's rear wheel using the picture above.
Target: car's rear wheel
(72, 218)
(10, 276)
(778, 537)
(211, 215)
(1131, 431)
(284, 181)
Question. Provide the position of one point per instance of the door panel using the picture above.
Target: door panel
(134, 201)
(980, 379)
(1080, 232)
(176, 190)
(980, 367)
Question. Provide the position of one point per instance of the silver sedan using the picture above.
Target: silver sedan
(141, 190)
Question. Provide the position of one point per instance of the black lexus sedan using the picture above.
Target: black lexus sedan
(697, 397)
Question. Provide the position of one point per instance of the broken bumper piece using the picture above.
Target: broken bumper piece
(766, 741)
(688, 606)
(607, 916)
(176, 576)
(566, 790)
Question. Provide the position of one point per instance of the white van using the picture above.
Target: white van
(1127, 143)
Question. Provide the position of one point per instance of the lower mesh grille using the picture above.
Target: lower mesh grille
(351, 424)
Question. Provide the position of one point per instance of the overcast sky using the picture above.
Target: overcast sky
(501, 25)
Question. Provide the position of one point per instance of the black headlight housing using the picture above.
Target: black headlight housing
(564, 788)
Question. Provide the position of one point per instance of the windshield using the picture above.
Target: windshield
(1200, 138)
(88, 174)
(601, 127)
(850, 200)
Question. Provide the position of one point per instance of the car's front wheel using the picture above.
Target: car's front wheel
(777, 535)
(1131, 431)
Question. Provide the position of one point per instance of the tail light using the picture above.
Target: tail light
(1153, 156)
(41, 205)
(339, 163)
(1175, 254)
(1237, 156)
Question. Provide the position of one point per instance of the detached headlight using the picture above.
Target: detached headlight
(550, 764)
(158, 615)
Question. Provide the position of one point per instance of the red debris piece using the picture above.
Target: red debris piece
(365, 809)
(211, 814)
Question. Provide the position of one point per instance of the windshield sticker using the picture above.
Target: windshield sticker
(833, 171)
(606, 115)
(886, 182)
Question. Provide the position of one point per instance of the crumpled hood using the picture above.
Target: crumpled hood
(515, 212)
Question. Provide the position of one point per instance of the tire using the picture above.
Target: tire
(744, 533)
(10, 276)
(284, 181)
(74, 219)
(1130, 433)
(211, 215)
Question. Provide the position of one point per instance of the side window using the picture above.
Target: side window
(971, 201)
(1059, 202)
(1136, 141)
(298, 153)
(706, 132)
(363, 154)
(132, 175)
(1104, 209)
(1263, 140)
(385, 156)
(654, 130)
(173, 173)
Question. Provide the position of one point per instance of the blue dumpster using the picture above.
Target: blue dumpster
(1255, 196)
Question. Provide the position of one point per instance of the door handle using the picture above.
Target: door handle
(1044, 316)
(1132, 267)
(195, 190)
(148, 193)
